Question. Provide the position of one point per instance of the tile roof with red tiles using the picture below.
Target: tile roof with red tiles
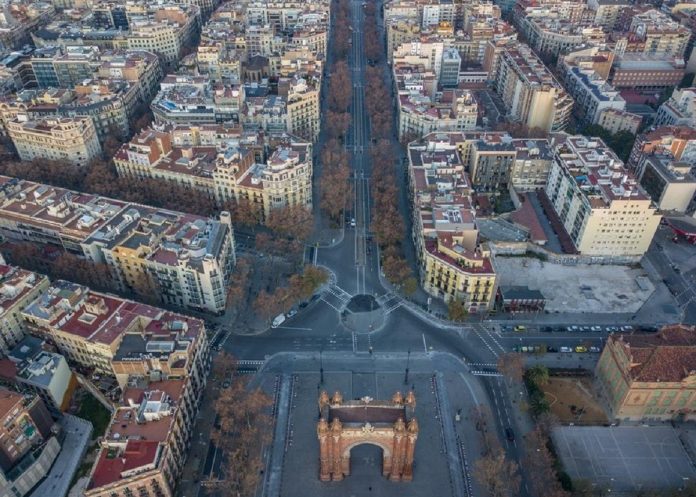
(114, 464)
(667, 356)
(527, 217)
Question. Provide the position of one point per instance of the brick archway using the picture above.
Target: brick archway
(388, 425)
(386, 455)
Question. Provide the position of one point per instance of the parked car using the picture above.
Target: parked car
(291, 313)
(594, 350)
(278, 320)
(580, 349)
(596, 328)
(566, 349)
(520, 328)
(551, 349)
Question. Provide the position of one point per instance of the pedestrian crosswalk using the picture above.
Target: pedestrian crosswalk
(336, 297)
(389, 302)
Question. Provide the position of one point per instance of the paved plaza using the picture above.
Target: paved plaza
(624, 458)
(301, 467)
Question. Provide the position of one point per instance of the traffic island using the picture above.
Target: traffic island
(363, 314)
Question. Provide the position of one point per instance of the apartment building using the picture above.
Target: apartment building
(302, 97)
(28, 448)
(17, 288)
(162, 372)
(549, 32)
(655, 33)
(453, 262)
(599, 201)
(530, 93)
(426, 51)
(530, 169)
(195, 100)
(271, 173)
(669, 183)
(102, 332)
(490, 161)
(678, 142)
(135, 66)
(649, 377)
(400, 30)
(591, 94)
(73, 140)
(422, 111)
(164, 29)
(110, 104)
(615, 121)
(607, 12)
(679, 109)
(181, 259)
(43, 373)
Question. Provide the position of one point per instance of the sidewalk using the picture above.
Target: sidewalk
(193, 469)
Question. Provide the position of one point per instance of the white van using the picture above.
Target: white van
(278, 320)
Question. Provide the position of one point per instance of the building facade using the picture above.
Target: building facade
(599, 201)
(649, 377)
(18, 287)
(73, 140)
(454, 265)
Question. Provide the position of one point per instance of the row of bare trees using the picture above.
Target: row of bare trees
(335, 185)
(341, 32)
(59, 265)
(387, 223)
(372, 41)
(244, 428)
(497, 475)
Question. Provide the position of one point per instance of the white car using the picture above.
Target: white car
(352, 222)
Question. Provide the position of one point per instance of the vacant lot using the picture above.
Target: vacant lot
(585, 288)
(572, 401)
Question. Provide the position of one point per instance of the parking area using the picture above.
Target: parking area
(624, 459)
(582, 288)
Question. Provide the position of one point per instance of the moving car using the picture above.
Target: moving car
(509, 434)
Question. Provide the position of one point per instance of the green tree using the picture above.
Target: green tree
(538, 375)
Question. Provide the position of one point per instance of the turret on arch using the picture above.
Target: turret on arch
(390, 425)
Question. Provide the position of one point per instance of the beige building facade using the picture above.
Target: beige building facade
(72, 140)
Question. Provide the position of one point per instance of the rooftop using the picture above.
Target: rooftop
(667, 356)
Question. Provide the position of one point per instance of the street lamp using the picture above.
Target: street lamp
(408, 360)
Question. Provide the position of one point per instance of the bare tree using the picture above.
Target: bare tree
(539, 463)
(498, 476)
(245, 427)
(511, 365)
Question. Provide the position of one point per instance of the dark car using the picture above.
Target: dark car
(510, 434)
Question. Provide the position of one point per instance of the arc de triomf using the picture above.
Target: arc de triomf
(390, 425)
